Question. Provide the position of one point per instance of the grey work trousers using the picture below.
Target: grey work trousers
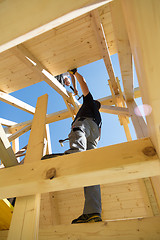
(84, 136)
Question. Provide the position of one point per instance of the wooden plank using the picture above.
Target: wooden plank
(21, 52)
(45, 18)
(16, 102)
(6, 153)
(146, 184)
(6, 122)
(142, 28)
(133, 229)
(63, 114)
(35, 143)
(130, 160)
(19, 133)
(156, 182)
(123, 48)
(102, 43)
(27, 208)
(48, 138)
(115, 110)
(25, 214)
(138, 121)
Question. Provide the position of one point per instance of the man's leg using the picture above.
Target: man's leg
(92, 205)
(92, 193)
(77, 137)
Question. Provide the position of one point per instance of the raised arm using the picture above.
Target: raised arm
(80, 79)
(82, 83)
(74, 83)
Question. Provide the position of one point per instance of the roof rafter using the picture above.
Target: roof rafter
(123, 48)
(4, 97)
(26, 57)
(103, 47)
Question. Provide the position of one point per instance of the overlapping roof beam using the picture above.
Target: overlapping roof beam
(26, 57)
(102, 43)
(63, 114)
(20, 128)
(4, 97)
(130, 160)
(6, 153)
(123, 48)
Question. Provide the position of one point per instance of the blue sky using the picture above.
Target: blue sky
(97, 80)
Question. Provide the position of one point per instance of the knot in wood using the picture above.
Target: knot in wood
(51, 173)
(149, 151)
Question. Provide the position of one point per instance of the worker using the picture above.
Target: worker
(65, 81)
(84, 135)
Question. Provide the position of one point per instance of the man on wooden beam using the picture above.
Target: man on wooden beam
(84, 135)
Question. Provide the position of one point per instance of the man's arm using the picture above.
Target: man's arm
(74, 83)
(82, 83)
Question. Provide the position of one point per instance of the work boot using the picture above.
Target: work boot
(88, 218)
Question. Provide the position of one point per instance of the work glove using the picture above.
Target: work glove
(72, 71)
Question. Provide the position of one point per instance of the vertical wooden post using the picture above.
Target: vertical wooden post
(25, 220)
(146, 184)
(15, 146)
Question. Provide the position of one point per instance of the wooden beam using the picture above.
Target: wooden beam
(26, 214)
(141, 228)
(45, 18)
(4, 97)
(123, 48)
(102, 43)
(35, 143)
(27, 209)
(142, 28)
(141, 132)
(19, 133)
(130, 160)
(63, 114)
(48, 138)
(115, 110)
(138, 121)
(6, 153)
(6, 122)
(24, 55)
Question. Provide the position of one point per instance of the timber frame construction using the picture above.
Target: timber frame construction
(45, 42)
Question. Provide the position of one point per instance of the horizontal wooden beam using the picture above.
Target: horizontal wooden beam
(4, 97)
(115, 110)
(138, 228)
(130, 160)
(6, 122)
(21, 29)
(63, 114)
